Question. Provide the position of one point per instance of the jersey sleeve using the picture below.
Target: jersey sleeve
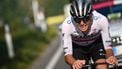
(105, 33)
(66, 37)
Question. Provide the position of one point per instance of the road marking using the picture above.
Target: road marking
(55, 58)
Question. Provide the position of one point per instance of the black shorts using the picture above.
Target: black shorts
(95, 51)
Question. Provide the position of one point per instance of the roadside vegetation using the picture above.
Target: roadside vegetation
(28, 41)
(27, 47)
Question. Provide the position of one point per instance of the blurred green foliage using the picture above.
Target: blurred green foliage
(28, 42)
(27, 47)
(53, 7)
(10, 10)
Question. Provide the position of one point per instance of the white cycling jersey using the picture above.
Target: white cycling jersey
(71, 33)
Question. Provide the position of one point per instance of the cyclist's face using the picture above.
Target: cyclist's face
(85, 24)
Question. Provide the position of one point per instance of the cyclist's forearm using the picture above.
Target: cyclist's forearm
(109, 53)
(69, 59)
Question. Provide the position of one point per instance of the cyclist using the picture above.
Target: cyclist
(85, 35)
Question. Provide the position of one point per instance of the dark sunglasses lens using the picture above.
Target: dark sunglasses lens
(85, 19)
(77, 20)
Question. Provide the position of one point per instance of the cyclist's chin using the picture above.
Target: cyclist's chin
(83, 29)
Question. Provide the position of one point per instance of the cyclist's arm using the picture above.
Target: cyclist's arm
(109, 53)
(106, 37)
(69, 59)
(67, 42)
(111, 59)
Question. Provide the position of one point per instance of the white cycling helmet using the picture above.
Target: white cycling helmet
(81, 9)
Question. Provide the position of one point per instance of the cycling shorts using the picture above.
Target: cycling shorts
(95, 51)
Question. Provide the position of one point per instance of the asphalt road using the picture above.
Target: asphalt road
(57, 59)
(51, 58)
(61, 64)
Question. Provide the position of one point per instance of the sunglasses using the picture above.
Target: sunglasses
(84, 19)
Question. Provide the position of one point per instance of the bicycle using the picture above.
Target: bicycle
(93, 65)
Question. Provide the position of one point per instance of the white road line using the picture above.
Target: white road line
(55, 58)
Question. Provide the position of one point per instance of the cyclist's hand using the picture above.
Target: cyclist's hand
(112, 60)
(78, 64)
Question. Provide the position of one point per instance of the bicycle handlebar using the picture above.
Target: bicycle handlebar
(94, 65)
